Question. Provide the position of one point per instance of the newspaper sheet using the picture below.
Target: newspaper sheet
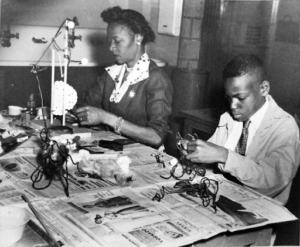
(22, 174)
(129, 217)
(102, 212)
(121, 217)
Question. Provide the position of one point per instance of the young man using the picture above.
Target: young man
(268, 160)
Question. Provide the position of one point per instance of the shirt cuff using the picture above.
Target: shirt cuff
(232, 163)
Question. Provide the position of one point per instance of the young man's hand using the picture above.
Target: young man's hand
(205, 152)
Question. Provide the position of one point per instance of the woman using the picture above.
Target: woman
(133, 96)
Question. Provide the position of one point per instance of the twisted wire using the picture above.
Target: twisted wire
(204, 189)
(50, 165)
(201, 190)
(187, 167)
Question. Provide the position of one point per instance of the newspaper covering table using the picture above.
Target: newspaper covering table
(100, 212)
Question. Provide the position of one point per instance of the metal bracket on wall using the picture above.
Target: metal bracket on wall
(6, 36)
(39, 41)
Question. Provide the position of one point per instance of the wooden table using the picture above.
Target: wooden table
(252, 237)
(255, 237)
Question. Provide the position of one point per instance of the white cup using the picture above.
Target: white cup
(14, 110)
(42, 112)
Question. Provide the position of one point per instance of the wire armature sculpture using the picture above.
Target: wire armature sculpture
(206, 189)
(52, 164)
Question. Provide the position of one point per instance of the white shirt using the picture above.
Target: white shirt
(255, 119)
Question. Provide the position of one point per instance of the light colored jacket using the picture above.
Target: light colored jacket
(273, 156)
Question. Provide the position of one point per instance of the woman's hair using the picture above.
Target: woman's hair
(244, 64)
(132, 19)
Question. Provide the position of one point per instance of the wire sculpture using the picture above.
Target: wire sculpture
(157, 156)
(52, 163)
(187, 167)
(206, 189)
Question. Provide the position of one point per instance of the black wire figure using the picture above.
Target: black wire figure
(52, 163)
(158, 160)
(206, 189)
(187, 167)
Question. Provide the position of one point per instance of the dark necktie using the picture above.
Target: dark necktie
(242, 144)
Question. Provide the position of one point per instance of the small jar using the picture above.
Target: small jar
(31, 106)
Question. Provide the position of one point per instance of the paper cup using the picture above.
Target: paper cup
(14, 110)
(42, 112)
(12, 224)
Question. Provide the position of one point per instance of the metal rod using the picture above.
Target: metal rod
(52, 85)
(37, 215)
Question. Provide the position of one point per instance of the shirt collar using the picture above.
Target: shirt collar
(140, 71)
(258, 116)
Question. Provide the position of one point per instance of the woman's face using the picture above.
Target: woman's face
(123, 44)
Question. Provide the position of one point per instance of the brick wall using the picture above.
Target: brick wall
(190, 34)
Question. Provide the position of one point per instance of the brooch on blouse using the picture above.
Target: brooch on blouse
(131, 94)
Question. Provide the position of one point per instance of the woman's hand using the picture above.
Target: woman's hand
(70, 118)
(89, 115)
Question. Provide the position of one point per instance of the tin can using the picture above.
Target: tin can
(23, 116)
(27, 116)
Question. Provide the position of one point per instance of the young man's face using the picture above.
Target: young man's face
(246, 95)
